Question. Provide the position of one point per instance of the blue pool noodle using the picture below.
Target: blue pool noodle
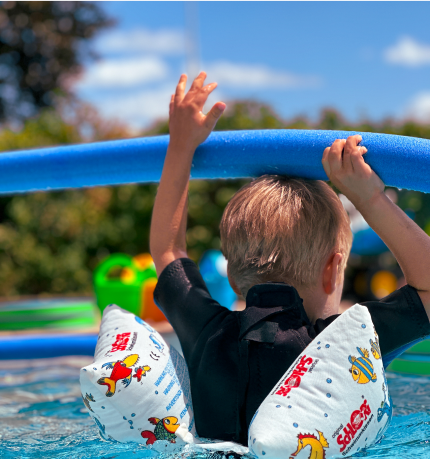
(400, 161)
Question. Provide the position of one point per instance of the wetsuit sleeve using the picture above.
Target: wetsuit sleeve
(183, 297)
(400, 320)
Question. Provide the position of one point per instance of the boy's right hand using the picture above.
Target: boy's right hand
(344, 165)
(188, 126)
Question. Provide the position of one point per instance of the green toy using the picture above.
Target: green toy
(124, 289)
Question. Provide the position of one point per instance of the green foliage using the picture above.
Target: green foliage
(48, 129)
(51, 242)
(249, 115)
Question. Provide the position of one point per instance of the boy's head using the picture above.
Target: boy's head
(278, 228)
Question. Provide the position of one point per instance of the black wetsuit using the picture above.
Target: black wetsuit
(236, 358)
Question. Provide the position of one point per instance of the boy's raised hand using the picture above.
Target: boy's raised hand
(188, 126)
(344, 165)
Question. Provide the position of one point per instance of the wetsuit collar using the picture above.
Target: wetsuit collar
(275, 295)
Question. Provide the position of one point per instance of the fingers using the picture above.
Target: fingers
(334, 156)
(349, 150)
(196, 93)
(353, 155)
(198, 81)
(344, 156)
(325, 162)
(357, 160)
(172, 103)
(196, 99)
(352, 142)
(214, 113)
(180, 89)
(201, 96)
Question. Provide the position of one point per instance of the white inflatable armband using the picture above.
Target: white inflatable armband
(137, 389)
(332, 402)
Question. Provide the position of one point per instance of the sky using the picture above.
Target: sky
(369, 60)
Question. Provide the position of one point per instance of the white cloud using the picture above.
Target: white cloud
(140, 70)
(140, 107)
(419, 107)
(124, 73)
(163, 41)
(256, 76)
(408, 52)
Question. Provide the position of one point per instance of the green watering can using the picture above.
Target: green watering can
(124, 289)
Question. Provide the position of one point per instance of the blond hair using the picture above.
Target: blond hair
(278, 228)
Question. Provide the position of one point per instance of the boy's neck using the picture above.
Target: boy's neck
(318, 304)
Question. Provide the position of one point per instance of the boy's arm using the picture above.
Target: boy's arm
(344, 165)
(188, 128)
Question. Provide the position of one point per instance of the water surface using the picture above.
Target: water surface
(42, 416)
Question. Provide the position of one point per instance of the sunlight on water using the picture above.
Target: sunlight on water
(42, 416)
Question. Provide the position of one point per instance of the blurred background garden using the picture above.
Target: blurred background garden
(51, 61)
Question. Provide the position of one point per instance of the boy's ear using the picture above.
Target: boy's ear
(331, 273)
(232, 282)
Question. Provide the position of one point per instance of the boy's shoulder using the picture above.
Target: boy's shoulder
(399, 319)
(183, 297)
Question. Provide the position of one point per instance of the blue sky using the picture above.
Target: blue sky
(366, 59)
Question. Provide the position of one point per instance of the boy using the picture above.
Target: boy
(276, 233)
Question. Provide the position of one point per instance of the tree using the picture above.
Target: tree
(42, 45)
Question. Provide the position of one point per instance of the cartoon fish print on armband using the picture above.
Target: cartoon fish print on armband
(317, 445)
(141, 372)
(121, 370)
(362, 368)
(164, 430)
(374, 348)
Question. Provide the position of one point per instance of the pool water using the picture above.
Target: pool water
(42, 416)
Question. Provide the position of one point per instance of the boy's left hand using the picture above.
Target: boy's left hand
(188, 126)
(344, 165)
